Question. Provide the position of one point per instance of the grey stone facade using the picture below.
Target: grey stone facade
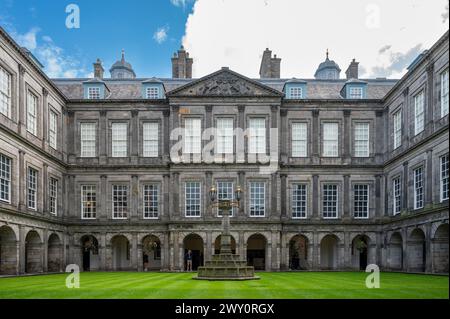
(415, 240)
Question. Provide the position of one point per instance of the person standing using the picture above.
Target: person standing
(189, 260)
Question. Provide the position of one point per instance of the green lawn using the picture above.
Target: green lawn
(315, 285)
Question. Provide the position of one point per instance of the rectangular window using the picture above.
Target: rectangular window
(5, 92)
(397, 191)
(330, 201)
(296, 93)
(53, 192)
(192, 199)
(419, 115)
(53, 130)
(119, 132)
(150, 139)
(225, 192)
(257, 138)
(361, 201)
(356, 93)
(120, 201)
(257, 199)
(88, 139)
(31, 112)
(299, 197)
(418, 188)
(5, 178)
(444, 93)
(32, 188)
(330, 139)
(94, 93)
(299, 140)
(151, 201)
(88, 201)
(224, 136)
(397, 129)
(152, 93)
(444, 178)
(192, 136)
(362, 140)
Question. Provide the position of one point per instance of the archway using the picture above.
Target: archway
(54, 262)
(194, 243)
(329, 252)
(217, 245)
(298, 253)
(151, 253)
(416, 251)
(89, 253)
(34, 252)
(256, 251)
(8, 251)
(395, 252)
(360, 248)
(440, 249)
(120, 252)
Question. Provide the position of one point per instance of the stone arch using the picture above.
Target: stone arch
(440, 249)
(360, 251)
(298, 252)
(34, 252)
(89, 252)
(120, 252)
(217, 244)
(54, 253)
(416, 249)
(257, 251)
(8, 251)
(329, 251)
(151, 252)
(193, 242)
(395, 251)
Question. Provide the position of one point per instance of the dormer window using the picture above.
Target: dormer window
(354, 89)
(356, 93)
(93, 93)
(295, 89)
(152, 93)
(296, 92)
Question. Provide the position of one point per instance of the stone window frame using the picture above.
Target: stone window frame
(421, 89)
(30, 89)
(441, 185)
(200, 117)
(339, 122)
(141, 208)
(370, 122)
(110, 185)
(142, 122)
(339, 203)
(80, 185)
(97, 136)
(264, 116)
(440, 96)
(397, 110)
(308, 136)
(421, 165)
(398, 177)
(36, 190)
(291, 199)
(370, 197)
(13, 112)
(51, 110)
(216, 119)
(202, 192)
(110, 122)
(234, 183)
(51, 178)
(11, 161)
(266, 196)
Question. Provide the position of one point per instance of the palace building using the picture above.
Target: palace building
(113, 173)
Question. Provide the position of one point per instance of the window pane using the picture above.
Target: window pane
(397, 129)
(224, 135)
(53, 127)
(225, 191)
(120, 201)
(444, 93)
(295, 93)
(151, 201)
(5, 178)
(53, 192)
(299, 139)
(31, 112)
(192, 199)
(32, 188)
(257, 138)
(257, 199)
(152, 93)
(362, 140)
(299, 201)
(330, 139)
(150, 139)
(419, 112)
(418, 188)
(361, 201)
(330, 201)
(88, 139)
(397, 188)
(192, 136)
(5, 92)
(119, 139)
(94, 93)
(88, 201)
(444, 177)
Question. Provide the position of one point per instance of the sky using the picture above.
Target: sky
(383, 35)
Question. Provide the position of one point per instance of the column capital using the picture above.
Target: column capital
(166, 113)
(283, 112)
(241, 107)
(379, 113)
(406, 91)
(347, 113)
(208, 108)
(274, 107)
(21, 69)
(315, 113)
(44, 92)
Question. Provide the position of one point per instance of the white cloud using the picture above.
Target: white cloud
(235, 33)
(160, 35)
(180, 3)
(28, 39)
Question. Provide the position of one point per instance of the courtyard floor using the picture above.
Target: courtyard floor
(290, 285)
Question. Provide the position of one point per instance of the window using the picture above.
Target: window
(299, 140)
(52, 130)
(32, 188)
(296, 93)
(120, 201)
(397, 129)
(88, 139)
(225, 191)
(361, 201)
(362, 140)
(5, 178)
(119, 139)
(31, 112)
(192, 199)
(418, 188)
(419, 113)
(151, 201)
(150, 139)
(330, 139)
(299, 201)
(257, 138)
(53, 192)
(444, 93)
(330, 201)
(88, 201)
(192, 136)
(356, 93)
(152, 93)
(397, 189)
(5, 92)
(257, 199)
(444, 178)
(224, 134)
(94, 93)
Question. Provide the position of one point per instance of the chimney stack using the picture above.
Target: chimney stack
(181, 64)
(98, 69)
(270, 67)
(352, 71)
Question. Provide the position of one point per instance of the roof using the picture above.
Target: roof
(327, 64)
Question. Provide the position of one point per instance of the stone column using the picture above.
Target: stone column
(166, 196)
(346, 195)
(45, 250)
(208, 251)
(71, 211)
(240, 138)
(102, 137)
(283, 196)
(22, 102)
(276, 245)
(316, 251)
(429, 179)
(405, 119)
(72, 130)
(284, 265)
(102, 198)
(175, 186)
(22, 235)
(45, 201)
(347, 250)
(316, 197)
(174, 113)
(429, 106)
(139, 253)
(379, 134)
(134, 198)
(134, 135)
(242, 246)
(274, 196)
(386, 197)
(347, 136)
(166, 135)
(378, 203)
(241, 181)
(284, 140)
(134, 252)
(405, 186)
(22, 181)
(315, 137)
(428, 249)
(209, 182)
(165, 251)
(45, 117)
(405, 263)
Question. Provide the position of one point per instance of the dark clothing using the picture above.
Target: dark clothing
(188, 256)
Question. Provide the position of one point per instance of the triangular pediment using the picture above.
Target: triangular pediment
(224, 83)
